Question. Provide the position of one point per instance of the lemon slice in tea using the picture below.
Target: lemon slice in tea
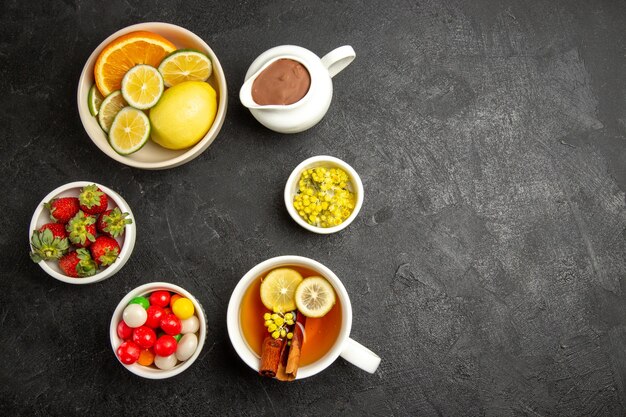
(142, 86)
(109, 108)
(315, 297)
(278, 289)
(185, 65)
(130, 131)
(94, 100)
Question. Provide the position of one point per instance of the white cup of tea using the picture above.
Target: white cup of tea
(344, 346)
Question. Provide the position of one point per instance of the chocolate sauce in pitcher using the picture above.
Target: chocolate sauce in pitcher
(283, 82)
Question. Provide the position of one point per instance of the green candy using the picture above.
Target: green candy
(142, 301)
(178, 337)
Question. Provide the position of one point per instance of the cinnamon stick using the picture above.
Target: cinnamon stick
(288, 367)
(271, 352)
(293, 361)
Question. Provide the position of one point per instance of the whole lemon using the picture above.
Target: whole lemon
(183, 115)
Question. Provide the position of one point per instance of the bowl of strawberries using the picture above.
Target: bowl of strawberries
(82, 233)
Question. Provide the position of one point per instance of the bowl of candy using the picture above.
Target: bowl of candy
(82, 232)
(323, 194)
(152, 96)
(158, 330)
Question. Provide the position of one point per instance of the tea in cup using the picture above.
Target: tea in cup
(290, 317)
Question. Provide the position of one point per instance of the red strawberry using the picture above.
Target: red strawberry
(105, 250)
(78, 264)
(113, 222)
(82, 229)
(92, 200)
(48, 244)
(62, 209)
(57, 229)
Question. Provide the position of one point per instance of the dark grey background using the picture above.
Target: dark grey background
(486, 267)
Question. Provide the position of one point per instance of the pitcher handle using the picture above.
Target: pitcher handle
(360, 356)
(337, 59)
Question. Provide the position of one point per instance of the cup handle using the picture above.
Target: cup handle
(360, 356)
(337, 59)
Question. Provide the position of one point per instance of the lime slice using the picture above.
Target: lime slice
(94, 100)
(185, 65)
(111, 104)
(278, 289)
(142, 86)
(130, 130)
(315, 297)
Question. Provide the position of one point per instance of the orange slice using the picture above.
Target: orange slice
(124, 53)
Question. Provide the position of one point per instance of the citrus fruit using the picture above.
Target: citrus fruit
(94, 100)
(278, 289)
(183, 115)
(125, 52)
(185, 65)
(142, 86)
(130, 130)
(111, 104)
(315, 297)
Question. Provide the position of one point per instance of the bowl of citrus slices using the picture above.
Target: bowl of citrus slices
(152, 96)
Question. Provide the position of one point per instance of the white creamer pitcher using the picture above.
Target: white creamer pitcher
(309, 110)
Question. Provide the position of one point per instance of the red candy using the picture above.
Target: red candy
(129, 352)
(155, 314)
(165, 345)
(123, 331)
(144, 336)
(160, 298)
(170, 325)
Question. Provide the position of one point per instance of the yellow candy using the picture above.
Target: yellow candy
(183, 308)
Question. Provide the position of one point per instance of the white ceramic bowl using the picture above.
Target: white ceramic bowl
(126, 241)
(291, 189)
(153, 156)
(148, 371)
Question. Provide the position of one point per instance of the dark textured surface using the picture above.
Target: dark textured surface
(486, 268)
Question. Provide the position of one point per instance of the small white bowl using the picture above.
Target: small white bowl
(153, 156)
(126, 241)
(143, 290)
(291, 188)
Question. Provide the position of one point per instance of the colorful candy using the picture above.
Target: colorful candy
(144, 336)
(128, 352)
(174, 298)
(146, 357)
(160, 298)
(158, 330)
(142, 301)
(155, 314)
(190, 325)
(186, 347)
(123, 331)
(171, 324)
(165, 345)
(183, 308)
(134, 315)
(165, 362)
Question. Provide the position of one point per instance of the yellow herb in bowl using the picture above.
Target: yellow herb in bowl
(325, 197)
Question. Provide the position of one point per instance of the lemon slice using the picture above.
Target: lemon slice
(315, 297)
(185, 65)
(278, 289)
(130, 131)
(142, 86)
(109, 108)
(94, 100)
